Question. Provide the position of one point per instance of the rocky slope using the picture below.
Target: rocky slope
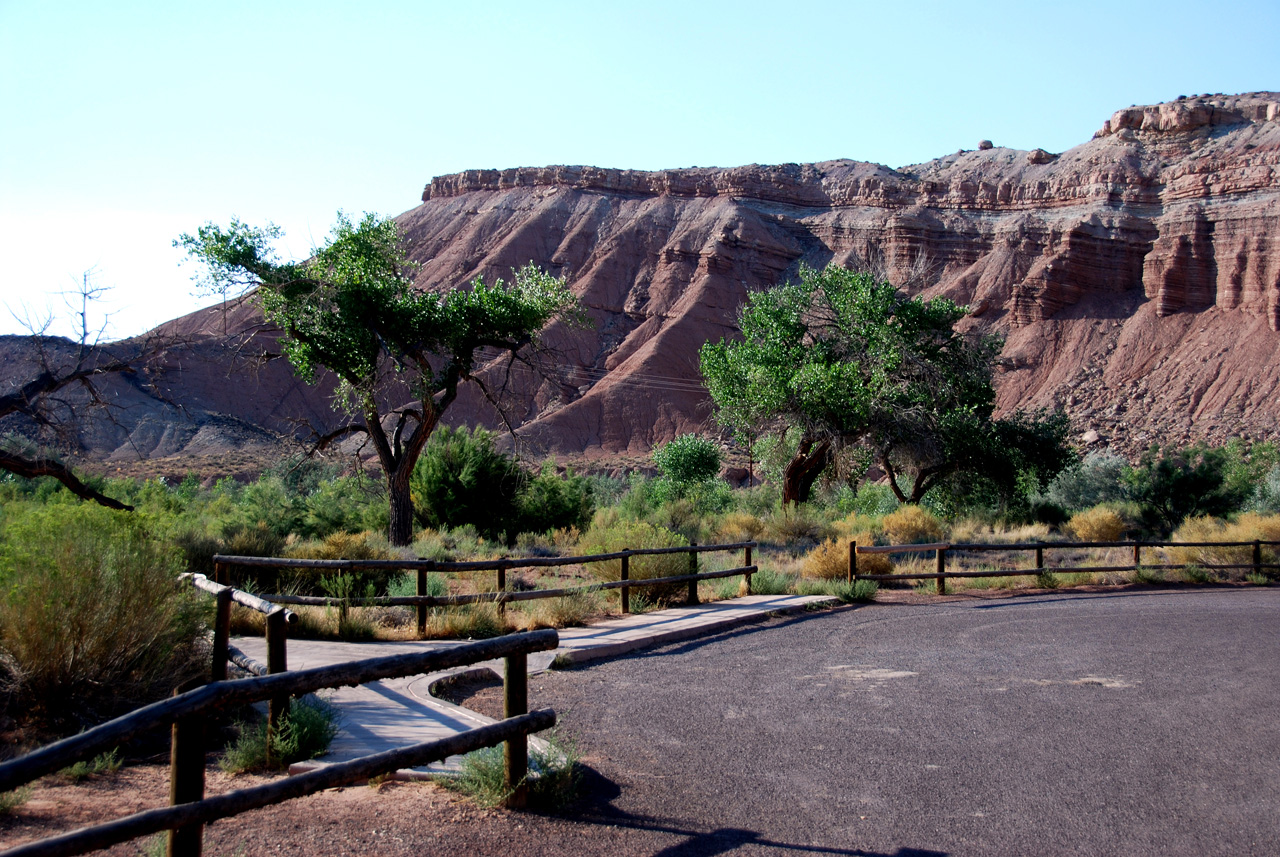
(1136, 276)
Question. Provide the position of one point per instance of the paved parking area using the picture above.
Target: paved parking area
(1133, 722)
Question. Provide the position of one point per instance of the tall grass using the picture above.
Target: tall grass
(92, 619)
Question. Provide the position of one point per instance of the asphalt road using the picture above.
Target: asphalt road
(1114, 723)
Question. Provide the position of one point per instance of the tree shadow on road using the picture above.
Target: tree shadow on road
(596, 807)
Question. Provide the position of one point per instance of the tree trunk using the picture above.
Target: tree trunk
(803, 470)
(400, 532)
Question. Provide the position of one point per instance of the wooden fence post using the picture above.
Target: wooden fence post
(221, 634)
(186, 777)
(422, 608)
(502, 587)
(1039, 557)
(940, 560)
(625, 574)
(853, 561)
(515, 755)
(693, 569)
(746, 561)
(1257, 556)
(1137, 554)
(220, 573)
(277, 662)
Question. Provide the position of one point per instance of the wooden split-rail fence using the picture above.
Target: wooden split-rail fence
(187, 714)
(943, 550)
(501, 595)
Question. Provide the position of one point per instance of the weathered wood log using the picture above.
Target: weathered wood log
(221, 635)
(624, 574)
(186, 782)
(501, 597)
(229, 694)
(693, 575)
(234, 803)
(478, 565)
(253, 602)
(515, 752)
(246, 663)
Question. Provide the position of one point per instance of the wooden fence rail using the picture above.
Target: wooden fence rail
(190, 810)
(942, 549)
(502, 595)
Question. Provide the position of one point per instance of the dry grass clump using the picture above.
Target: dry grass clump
(739, 527)
(910, 525)
(1247, 527)
(561, 612)
(978, 531)
(1099, 524)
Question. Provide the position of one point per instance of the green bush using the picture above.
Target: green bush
(688, 459)
(306, 732)
(91, 615)
(550, 501)
(461, 479)
(1092, 482)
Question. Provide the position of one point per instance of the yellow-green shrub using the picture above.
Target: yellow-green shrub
(828, 561)
(621, 534)
(909, 525)
(1099, 524)
(871, 563)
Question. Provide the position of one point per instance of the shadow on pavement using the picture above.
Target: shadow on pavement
(596, 807)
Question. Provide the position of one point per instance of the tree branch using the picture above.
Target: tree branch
(30, 468)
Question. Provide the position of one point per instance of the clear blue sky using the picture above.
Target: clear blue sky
(125, 124)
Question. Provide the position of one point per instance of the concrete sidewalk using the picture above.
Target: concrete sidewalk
(395, 713)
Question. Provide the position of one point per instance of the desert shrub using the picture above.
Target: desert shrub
(828, 561)
(91, 616)
(1095, 480)
(268, 503)
(872, 499)
(344, 504)
(462, 479)
(909, 525)
(1099, 524)
(553, 781)
(198, 550)
(551, 501)
(768, 581)
(795, 522)
(1266, 495)
(621, 534)
(240, 539)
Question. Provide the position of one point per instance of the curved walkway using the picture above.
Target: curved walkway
(388, 714)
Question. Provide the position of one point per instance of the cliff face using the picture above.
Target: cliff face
(1136, 277)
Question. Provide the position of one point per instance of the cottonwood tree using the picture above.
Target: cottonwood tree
(844, 359)
(352, 309)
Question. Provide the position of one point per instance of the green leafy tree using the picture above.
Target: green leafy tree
(842, 359)
(1171, 485)
(352, 309)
